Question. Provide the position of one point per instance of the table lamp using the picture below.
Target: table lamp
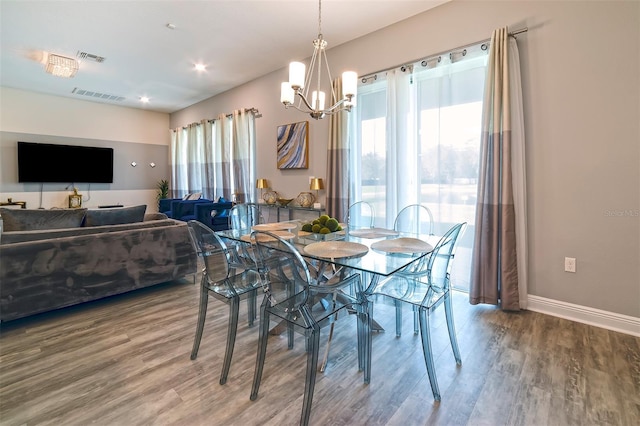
(316, 185)
(262, 184)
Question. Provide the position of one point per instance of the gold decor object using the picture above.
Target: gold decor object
(262, 184)
(284, 202)
(75, 199)
(316, 185)
(270, 197)
(305, 199)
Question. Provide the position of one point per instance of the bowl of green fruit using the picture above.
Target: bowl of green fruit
(323, 228)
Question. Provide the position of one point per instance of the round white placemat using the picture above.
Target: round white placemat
(402, 245)
(285, 235)
(335, 249)
(276, 226)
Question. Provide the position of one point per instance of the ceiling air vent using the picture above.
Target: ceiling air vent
(97, 95)
(90, 57)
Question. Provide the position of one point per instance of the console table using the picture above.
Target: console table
(289, 210)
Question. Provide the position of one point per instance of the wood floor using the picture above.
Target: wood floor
(125, 361)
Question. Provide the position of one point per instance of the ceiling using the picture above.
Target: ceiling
(237, 41)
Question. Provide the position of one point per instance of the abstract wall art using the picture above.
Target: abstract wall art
(293, 146)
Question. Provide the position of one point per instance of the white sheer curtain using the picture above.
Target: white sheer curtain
(187, 160)
(416, 139)
(215, 157)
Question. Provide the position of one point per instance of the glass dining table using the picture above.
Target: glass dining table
(375, 253)
(364, 251)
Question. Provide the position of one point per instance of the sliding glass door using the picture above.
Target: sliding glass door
(415, 138)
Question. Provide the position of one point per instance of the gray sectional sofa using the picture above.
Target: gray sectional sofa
(51, 259)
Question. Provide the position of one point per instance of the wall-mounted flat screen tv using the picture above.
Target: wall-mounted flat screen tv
(44, 162)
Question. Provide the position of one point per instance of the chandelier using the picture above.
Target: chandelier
(299, 83)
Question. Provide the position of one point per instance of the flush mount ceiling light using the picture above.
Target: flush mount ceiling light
(200, 67)
(61, 66)
(298, 83)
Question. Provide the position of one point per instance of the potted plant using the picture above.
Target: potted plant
(163, 189)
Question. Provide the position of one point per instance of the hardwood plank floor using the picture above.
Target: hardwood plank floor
(125, 361)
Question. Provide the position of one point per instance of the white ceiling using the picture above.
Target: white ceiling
(237, 40)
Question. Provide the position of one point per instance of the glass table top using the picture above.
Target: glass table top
(373, 261)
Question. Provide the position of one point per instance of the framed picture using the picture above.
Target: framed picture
(293, 146)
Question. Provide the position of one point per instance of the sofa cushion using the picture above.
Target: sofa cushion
(39, 219)
(115, 216)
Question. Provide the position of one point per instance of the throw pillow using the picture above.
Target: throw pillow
(194, 196)
(39, 219)
(115, 216)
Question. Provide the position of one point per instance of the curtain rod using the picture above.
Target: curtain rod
(454, 50)
(254, 111)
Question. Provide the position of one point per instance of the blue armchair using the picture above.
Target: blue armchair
(164, 206)
(204, 213)
(185, 209)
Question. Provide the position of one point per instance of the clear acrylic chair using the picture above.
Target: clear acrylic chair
(360, 215)
(414, 220)
(426, 288)
(244, 216)
(224, 282)
(293, 297)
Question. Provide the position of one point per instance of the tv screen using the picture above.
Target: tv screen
(44, 162)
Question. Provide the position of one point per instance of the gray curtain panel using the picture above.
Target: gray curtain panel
(494, 271)
(337, 200)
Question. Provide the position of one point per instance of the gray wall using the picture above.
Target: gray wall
(580, 72)
(135, 134)
(125, 176)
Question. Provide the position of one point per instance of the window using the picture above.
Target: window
(415, 138)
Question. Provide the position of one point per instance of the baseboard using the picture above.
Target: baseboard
(586, 315)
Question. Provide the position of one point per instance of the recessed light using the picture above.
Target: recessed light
(144, 99)
(171, 26)
(200, 67)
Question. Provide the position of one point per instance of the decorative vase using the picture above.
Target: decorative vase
(305, 199)
(270, 197)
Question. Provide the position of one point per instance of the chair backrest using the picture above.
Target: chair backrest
(285, 275)
(360, 215)
(212, 249)
(244, 216)
(440, 260)
(414, 219)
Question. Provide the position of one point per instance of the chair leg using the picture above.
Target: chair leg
(448, 311)
(416, 320)
(262, 350)
(202, 313)
(364, 339)
(310, 381)
(323, 366)
(251, 307)
(428, 355)
(234, 309)
(398, 318)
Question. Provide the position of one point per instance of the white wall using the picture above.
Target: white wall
(60, 118)
(580, 71)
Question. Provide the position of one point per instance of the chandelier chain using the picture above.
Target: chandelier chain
(319, 16)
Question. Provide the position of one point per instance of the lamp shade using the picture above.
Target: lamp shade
(296, 75)
(316, 184)
(262, 184)
(349, 83)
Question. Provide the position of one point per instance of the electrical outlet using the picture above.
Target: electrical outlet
(569, 264)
